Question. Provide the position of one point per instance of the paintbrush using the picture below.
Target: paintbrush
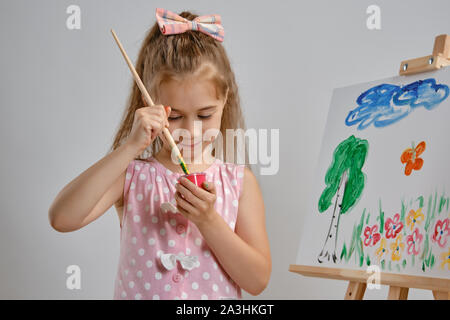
(149, 101)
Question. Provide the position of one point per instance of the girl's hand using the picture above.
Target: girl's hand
(195, 203)
(147, 124)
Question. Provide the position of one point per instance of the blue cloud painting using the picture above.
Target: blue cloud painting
(386, 104)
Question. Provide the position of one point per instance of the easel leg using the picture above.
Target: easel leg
(355, 290)
(398, 293)
(441, 295)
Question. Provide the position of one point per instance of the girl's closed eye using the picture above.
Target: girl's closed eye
(200, 117)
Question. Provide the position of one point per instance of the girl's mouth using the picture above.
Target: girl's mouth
(190, 145)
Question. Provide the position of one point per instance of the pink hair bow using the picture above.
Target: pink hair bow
(171, 23)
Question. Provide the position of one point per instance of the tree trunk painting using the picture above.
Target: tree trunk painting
(345, 183)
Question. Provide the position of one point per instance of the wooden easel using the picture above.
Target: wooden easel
(398, 284)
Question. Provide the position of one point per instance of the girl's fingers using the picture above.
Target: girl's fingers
(199, 192)
(188, 196)
(184, 204)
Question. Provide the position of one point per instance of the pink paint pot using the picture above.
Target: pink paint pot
(196, 178)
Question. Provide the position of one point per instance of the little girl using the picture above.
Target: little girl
(178, 240)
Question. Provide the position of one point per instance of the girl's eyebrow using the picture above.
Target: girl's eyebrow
(201, 109)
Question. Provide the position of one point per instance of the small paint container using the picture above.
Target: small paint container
(196, 178)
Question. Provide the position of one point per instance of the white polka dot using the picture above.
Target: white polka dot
(141, 252)
(156, 197)
(124, 294)
(224, 174)
(131, 284)
(198, 242)
(149, 263)
(172, 243)
(184, 295)
(132, 186)
(219, 200)
(159, 253)
(167, 287)
(129, 207)
(215, 287)
(174, 181)
(142, 176)
(144, 230)
(133, 262)
(136, 218)
(188, 251)
(136, 167)
(155, 219)
(150, 186)
(155, 297)
(147, 208)
(138, 296)
(227, 289)
(139, 274)
(226, 212)
(168, 172)
(235, 203)
(227, 191)
(205, 275)
(234, 182)
(158, 276)
(151, 241)
(204, 297)
(232, 225)
(194, 285)
(240, 175)
(221, 278)
(173, 222)
(218, 183)
(147, 286)
(207, 253)
(128, 176)
(126, 271)
(166, 190)
(152, 169)
(215, 265)
(139, 197)
(176, 298)
(134, 240)
(162, 231)
(158, 179)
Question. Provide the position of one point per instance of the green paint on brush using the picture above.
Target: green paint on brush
(183, 166)
(404, 263)
(383, 264)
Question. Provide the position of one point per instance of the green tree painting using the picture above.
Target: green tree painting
(344, 182)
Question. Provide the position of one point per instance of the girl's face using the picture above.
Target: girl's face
(196, 107)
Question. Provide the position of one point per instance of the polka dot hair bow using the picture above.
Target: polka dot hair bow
(171, 23)
(169, 261)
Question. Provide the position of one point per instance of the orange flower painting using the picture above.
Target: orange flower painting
(411, 157)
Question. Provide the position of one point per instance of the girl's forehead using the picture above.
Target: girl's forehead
(188, 93)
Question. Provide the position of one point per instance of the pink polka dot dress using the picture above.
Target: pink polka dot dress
(163, 255)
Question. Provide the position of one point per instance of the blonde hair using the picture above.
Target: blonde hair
(163, 57)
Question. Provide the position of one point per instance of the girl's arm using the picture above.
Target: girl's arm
(245, 253)
(93, 192)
